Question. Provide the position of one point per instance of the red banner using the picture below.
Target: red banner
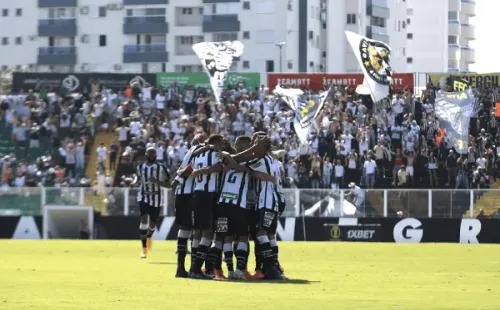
(318, 81)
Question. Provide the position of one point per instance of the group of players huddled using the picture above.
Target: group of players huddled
(225, 196)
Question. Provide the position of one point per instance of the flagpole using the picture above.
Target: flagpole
(280, 46)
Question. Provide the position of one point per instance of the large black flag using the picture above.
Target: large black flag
(454, 111)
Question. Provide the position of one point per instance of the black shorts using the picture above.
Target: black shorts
(268, 220)
(231, 220)
(184, 211)
(203, 205)
(153, 212)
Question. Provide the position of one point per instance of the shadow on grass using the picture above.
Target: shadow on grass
(289, 281)
(162, 263)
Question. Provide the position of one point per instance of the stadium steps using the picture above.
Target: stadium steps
(97, 201)
(489, 201)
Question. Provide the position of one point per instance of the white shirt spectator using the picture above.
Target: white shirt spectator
(327, 168)
(122, 133)
(102, 152)
(481, 162)
(291, 169)
(398, 105)
(370, 166)
(20, 181)
(339, 171)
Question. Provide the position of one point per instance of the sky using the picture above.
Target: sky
(486, 44)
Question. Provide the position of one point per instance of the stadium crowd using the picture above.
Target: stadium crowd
(390, 144)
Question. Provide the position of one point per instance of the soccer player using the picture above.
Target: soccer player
(207, 165)
(183, 207)
(151, 176)
(232, 213)
(277, 172)
(267, 208)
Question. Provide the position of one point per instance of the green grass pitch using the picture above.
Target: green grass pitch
(110, 275)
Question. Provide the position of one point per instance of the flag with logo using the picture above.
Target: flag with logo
(374, 58)
(217, 58)
(457, 83)
(306, 111)
(454, 111)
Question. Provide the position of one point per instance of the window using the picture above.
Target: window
(62, 13)
(163, 67)
(264, 36)
(225, 36)
(246, 5)
(290, 65)
(351, 19)
(323, 25)
(200, 69)
(187, 40)
(102, 40)
(408, 21)
(290, 8)
(5, 12)
(186, 69)
(404, 24)
(19, 40)
(145, 68)
(323, 54)
(377, 21)
(269, 65)
(246, 35)
(409, 36)
(409, 12)
(452, 40)
(19, 12)
(5, 41)
(222, 8)
(147, 12)
(187, 11)
(200, 11)
(404, 52)
(452, 15)
(311, 34)
(311, 64)
(409, 60)
(102, 11)
(246, 64)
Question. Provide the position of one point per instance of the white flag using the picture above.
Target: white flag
(216, 58)
(374, 59)
(306, 111)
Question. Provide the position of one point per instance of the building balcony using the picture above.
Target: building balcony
(221, 23)
(468, 7)
(454, 28)
(57, 3)
(57, 27)
(469, 31)
(145, 25)
(377, 33)
(454, 51)
(144, 2)
(145, 53)
(57, 55)
(468, 55)
(378, 8)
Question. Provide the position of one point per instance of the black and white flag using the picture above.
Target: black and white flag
(217, 58)
(454, 111)
(374, 58)
(306, 111)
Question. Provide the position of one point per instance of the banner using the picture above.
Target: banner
(199, 79)
(216, 58)
(306, 111)
(458, 84)
(20, 227)
(77, 82)
(321, 81)
(488, 80)
(454, 111)
(374, 59)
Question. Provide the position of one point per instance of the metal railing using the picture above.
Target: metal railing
(56, 50)
(425, 203)
(145, 48)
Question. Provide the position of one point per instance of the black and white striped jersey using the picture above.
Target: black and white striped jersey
(277, 173)
(207, 182)
(235, 188)
(149, 192)
(266, 193)
(186, 186)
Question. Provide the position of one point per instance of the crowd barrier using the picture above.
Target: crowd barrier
(420, 203)
(78, 82)
(393, 215)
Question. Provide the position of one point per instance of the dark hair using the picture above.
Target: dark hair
(215, 139)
